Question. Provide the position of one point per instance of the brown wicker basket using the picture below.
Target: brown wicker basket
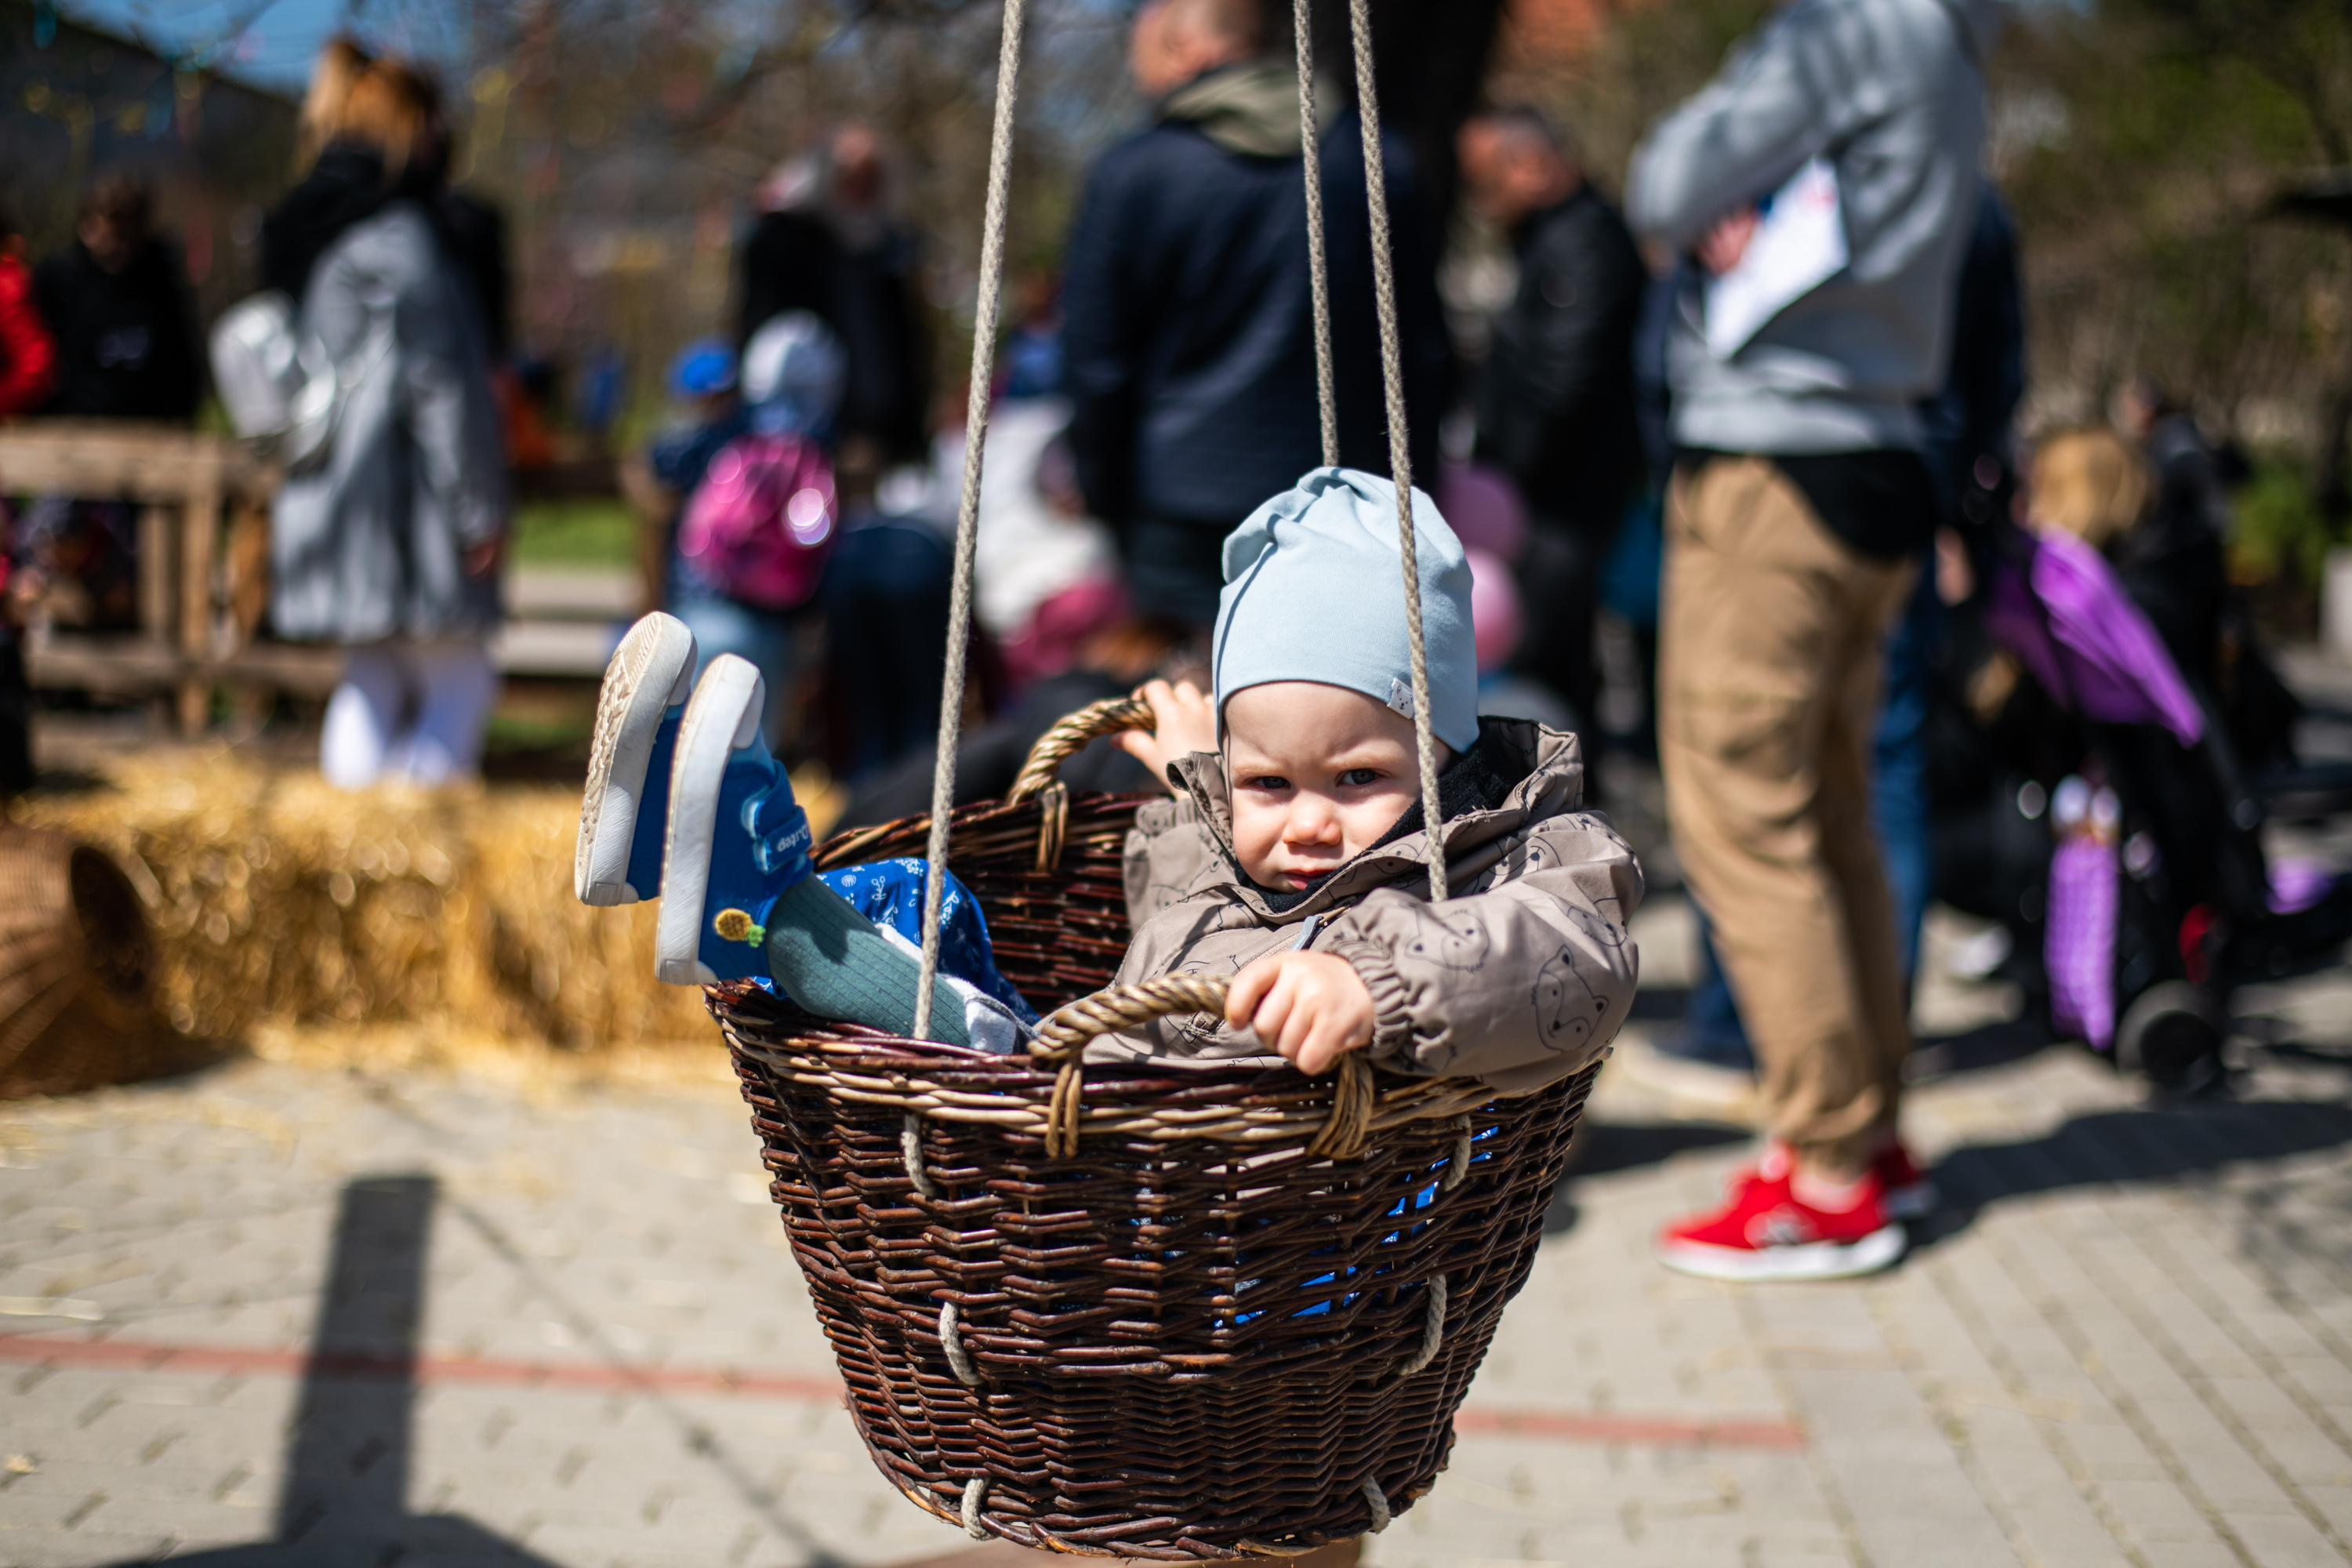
(1194, 1334)
(75, 961)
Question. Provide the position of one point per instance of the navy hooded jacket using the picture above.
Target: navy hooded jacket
(1189, 324)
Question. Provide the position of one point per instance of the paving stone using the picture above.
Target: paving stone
(1910, 1499)
(2042, 1510)
(2207, 1454)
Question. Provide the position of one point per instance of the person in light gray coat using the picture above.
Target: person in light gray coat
(1891, 92)
(1800, 500)
(390, 544)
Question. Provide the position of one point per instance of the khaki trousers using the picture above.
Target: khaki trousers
(1768, 696)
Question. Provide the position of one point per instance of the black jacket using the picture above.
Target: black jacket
(1188, 334)
(475, 230)
(126, 340)
(868, 294)
(1973, 415)
(1556, 405)
(346, 187)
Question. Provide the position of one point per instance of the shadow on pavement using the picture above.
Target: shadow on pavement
(2132, 1148)
(1604, 1146)
(1932, 1057)
(1659, 1005)
(2282, 1046)
(345, 1500)
(1976, 1050)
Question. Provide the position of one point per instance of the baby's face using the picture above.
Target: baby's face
(1317, 774)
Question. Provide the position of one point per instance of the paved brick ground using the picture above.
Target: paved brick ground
(2127, 1340)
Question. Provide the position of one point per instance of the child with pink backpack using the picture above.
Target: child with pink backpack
(761, 514)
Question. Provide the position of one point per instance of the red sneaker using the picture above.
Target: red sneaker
(1904, 1188)
(1764, 1232)
(1908, 1194)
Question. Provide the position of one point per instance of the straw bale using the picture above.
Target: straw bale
(279, 903)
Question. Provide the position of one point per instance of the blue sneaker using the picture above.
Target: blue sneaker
(624, 810)
(740, 901)
(736, 839)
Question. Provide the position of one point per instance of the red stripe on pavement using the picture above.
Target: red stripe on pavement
(1561, 1426)
(426, 1369)
(1655, 1431)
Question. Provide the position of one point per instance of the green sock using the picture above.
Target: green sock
(834, 961)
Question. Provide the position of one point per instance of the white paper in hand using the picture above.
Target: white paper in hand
(1799, 245)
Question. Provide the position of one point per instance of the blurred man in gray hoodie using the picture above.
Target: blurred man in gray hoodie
(1799, 502)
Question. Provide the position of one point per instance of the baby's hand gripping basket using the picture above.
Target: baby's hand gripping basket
(1148, 1310)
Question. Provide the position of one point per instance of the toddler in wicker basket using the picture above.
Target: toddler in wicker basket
(1295, 857)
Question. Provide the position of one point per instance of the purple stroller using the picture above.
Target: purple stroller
(2160, 898)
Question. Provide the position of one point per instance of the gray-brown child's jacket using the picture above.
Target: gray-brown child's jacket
(1522, 976)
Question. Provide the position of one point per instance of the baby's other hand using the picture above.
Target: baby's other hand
(1311, 1007)
(1183, 722)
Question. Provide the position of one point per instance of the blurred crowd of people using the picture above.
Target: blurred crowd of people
(385, 537)
(1807, 524)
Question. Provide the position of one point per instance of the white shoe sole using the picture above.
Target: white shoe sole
(722, 716)
(1808, 1260)
(653, 668)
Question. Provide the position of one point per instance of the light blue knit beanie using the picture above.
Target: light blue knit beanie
(1315, 591)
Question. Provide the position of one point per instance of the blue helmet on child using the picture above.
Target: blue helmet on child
(703, 369)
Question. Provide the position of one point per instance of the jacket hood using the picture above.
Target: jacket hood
(1549, 765)
(347, 186)
(1251, 108)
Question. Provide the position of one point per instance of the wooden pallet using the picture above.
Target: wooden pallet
(202, 571)
(203, 520)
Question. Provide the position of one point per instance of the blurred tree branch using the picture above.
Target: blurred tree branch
(2305, 47)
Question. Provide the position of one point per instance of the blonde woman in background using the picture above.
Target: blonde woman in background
(2161, 521)
(339, 64)
(2089, 482)
(390, 544)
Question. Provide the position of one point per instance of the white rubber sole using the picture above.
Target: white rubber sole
(1809, 1260)
(652, 668)
(722, 717)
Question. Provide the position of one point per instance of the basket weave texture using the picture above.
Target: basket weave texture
(1193, 1337)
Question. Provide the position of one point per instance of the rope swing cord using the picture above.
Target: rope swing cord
(984, 361)
(1376, 187)
(1310, 153)
(983, 371)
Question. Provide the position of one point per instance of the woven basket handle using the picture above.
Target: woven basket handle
(1063, 1037)
(1069, 736)
(1116, 1008)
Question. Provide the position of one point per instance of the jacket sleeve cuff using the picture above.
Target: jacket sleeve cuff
(1391, 1004)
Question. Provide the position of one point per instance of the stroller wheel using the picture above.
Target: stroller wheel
(2171, 1036)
